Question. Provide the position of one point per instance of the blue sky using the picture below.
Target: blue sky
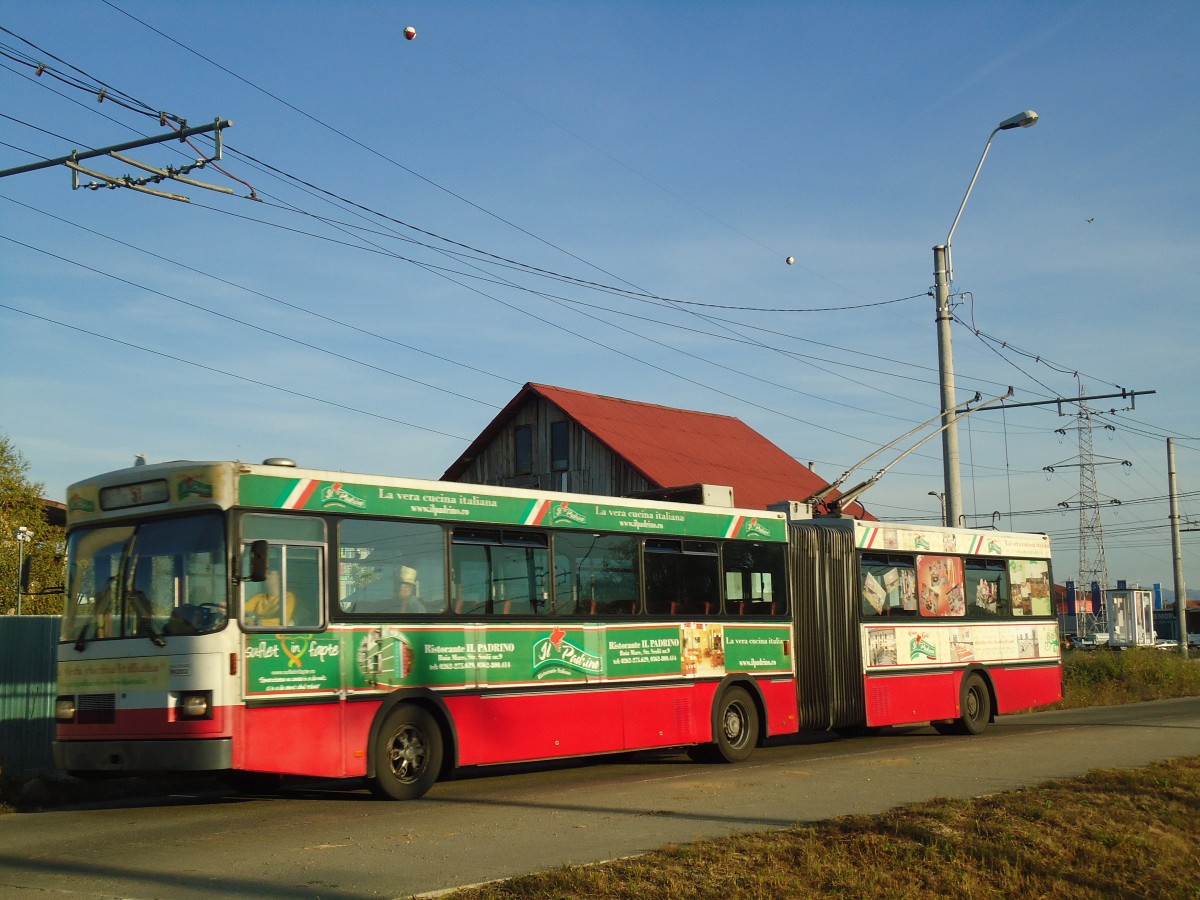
(502, 200)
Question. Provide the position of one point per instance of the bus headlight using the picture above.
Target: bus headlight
(64, 709)
(196, 705)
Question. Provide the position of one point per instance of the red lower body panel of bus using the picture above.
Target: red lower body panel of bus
(928, 696)
(330, 739)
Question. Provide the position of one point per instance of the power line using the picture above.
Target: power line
(638, 294)
(334, 403)
(310, 312)
(251, 325)
(360, 144)
(1036, 357)
(97, 87)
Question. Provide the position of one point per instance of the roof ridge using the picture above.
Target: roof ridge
(544, 388)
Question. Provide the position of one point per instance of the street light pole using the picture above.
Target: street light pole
(943, 275)
(952, 498)
(24, 535)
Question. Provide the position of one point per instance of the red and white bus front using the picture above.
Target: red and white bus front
(147, 663)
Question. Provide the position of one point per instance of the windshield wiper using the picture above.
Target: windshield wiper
(155, 638)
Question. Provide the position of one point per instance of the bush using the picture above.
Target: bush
(1108, 677)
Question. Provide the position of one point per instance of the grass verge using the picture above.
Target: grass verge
(1113, 833)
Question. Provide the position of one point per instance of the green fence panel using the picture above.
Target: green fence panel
(28, 645)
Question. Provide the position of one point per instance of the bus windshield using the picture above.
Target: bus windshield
(151, 579)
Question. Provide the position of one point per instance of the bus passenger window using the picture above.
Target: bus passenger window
(391, 568)
(755, 579)
(889, 585)
(499, 572)
(595, 575)
(1030, 587)
(987, 587)
(940, 587)
(682, 577)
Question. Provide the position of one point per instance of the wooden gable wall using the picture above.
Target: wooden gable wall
(592, 468)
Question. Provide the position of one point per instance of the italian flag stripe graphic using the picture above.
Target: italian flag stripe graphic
(299, 494)
(735, 526)
(976, 543)
(537, 512)
(868, 538)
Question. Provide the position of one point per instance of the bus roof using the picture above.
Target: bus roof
(184, 484)
(932, 539)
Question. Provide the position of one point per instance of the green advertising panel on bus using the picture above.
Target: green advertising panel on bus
(390, 656)
(445, 504)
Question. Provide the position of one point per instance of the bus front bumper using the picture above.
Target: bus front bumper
(144, 756)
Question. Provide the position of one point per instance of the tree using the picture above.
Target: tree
(21, 504)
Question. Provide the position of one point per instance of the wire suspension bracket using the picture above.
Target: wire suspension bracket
(157, 175)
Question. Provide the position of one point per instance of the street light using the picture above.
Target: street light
(24, 536)
(943, 274)
(942, 501)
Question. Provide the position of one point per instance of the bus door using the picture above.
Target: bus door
(285, 596)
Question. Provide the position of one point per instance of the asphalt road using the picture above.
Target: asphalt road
(333, 841)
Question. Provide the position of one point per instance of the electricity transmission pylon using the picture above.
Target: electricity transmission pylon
(1092, 565)
(1093, 569)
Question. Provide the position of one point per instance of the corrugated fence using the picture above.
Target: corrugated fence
(27, 690)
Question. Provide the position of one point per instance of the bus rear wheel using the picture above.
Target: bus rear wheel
(975, 705)
(737, 729)
(408, 754)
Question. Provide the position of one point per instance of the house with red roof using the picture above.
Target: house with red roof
(554, 438)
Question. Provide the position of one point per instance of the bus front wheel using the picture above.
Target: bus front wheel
(408, 754)
(737, 729)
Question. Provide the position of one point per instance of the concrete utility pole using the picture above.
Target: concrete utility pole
(943, 275)
(1176, 554)
(952, 497)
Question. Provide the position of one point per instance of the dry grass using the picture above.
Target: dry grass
(1123, 833)
(1114, 833)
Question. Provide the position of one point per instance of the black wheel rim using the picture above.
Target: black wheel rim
(408, 754)
(973, 703)
(735, 724)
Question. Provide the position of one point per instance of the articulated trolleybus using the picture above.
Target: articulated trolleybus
(268, 619)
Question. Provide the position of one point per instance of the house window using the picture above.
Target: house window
(523, 450)
(558, 447)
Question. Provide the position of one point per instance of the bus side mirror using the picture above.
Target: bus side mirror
(259, 551)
